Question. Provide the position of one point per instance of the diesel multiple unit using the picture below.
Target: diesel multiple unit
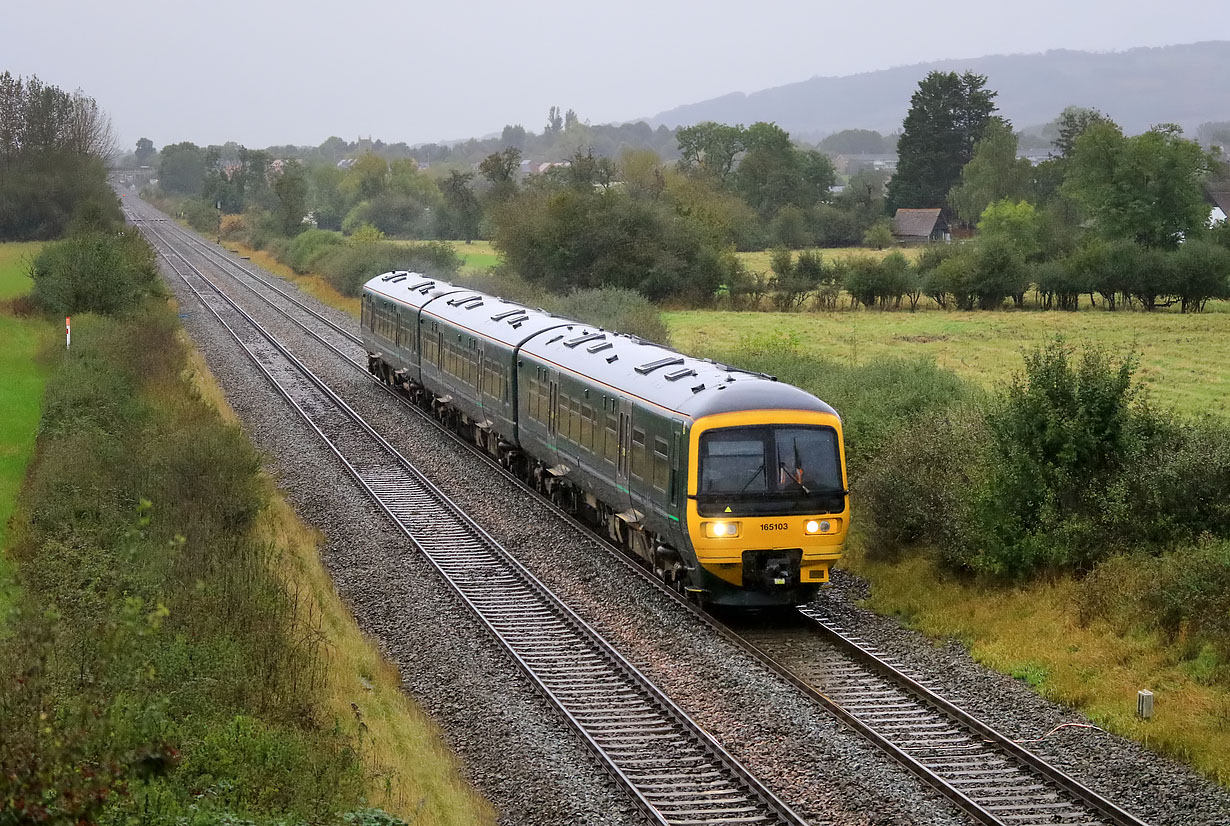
(730, 484)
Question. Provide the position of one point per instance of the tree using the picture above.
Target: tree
(500, 168)
(291, 189)
(461, 204)
(513, 136)
(182, 169)
(1071, 124)
(774, 173)
(994, 174)
(145, 150)
(857, 142)
(710, 149)
(1202, 271)
(1146, 188)
(948, 115)
(879, 236)
(1017, 224)
(555, 122)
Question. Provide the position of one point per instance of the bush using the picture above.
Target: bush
(612, 308)
(789, 228)
(922, 486)
(349, 266)
(879, 236)
(1060, 436)
(1201, 271)
(233, 228)
(308, 247)
(833, 227)
(202, 216)
(95, 272)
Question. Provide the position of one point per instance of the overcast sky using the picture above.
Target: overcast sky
(264, 73)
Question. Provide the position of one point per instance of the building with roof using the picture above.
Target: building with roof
(919, 226)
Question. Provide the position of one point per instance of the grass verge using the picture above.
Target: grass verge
(1033, 632)
(157, 638)
(22, 377)
(411, 773)
(312, 284)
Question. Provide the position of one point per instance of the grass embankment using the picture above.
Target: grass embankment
(22, 376)
(475, 256)
(1183, 358)
(176, 634)
(411, 772)
(1034, 633)
(312, 284)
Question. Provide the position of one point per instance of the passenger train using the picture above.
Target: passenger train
(731, 485)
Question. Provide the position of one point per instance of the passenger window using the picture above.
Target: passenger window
(639, 456)
(612, 438)
(661, 464)
(587, 426)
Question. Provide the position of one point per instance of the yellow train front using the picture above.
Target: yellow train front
(767, 507)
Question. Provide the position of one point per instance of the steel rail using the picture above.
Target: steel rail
(675, 772)
(1102, 810)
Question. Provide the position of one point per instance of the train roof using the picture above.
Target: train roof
(690, 386)
(504, 321)
(410, 288)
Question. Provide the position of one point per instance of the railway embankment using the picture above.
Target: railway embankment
(174, 651)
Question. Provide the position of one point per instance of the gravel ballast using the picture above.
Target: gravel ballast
(514, 748)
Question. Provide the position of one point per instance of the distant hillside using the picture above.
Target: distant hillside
(1187, 84)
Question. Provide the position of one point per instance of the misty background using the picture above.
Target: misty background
(262, 73)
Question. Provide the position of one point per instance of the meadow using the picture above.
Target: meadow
(21, 389)
(759, 260)
(1183, 358)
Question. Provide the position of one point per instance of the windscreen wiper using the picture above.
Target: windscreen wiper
(759, 471)
(786, 471)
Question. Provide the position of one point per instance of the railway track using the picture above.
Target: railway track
(987, 774)
(674, 771)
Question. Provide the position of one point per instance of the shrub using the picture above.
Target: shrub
(833, 227)
(348, 266)
(307, 248)
(1201, 271)
(202, 216)
(922, 486)
(879, 236)
(95, 272)
(1059, 284)
(789, 228)
(612, 308)
(1060, 435)
(233, 228)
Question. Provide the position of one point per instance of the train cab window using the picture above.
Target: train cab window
(640, 455)
(661, 464)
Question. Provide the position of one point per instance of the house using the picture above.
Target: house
(849, 164)
(1218, 195)
(919, 226)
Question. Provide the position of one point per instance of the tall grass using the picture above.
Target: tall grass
(154, 645)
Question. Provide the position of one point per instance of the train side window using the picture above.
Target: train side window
(587, 426)
(661, 464)
(611, 452)
(639, 454)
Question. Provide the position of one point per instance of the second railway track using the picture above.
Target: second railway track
(985, 773)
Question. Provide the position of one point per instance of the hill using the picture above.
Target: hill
(1183, 84)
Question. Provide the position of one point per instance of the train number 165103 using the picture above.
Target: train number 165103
(774, 526)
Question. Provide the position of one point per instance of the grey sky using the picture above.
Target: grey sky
(262, 73)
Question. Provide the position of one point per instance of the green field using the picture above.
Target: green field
(21, 390)
(1184, 359)
(477, 255)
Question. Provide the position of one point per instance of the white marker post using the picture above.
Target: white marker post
(68, 332)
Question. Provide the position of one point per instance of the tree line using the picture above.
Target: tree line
(1105, 217)
(54, 147)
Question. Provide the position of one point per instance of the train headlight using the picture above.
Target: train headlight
(721, 530)
(820, 526)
